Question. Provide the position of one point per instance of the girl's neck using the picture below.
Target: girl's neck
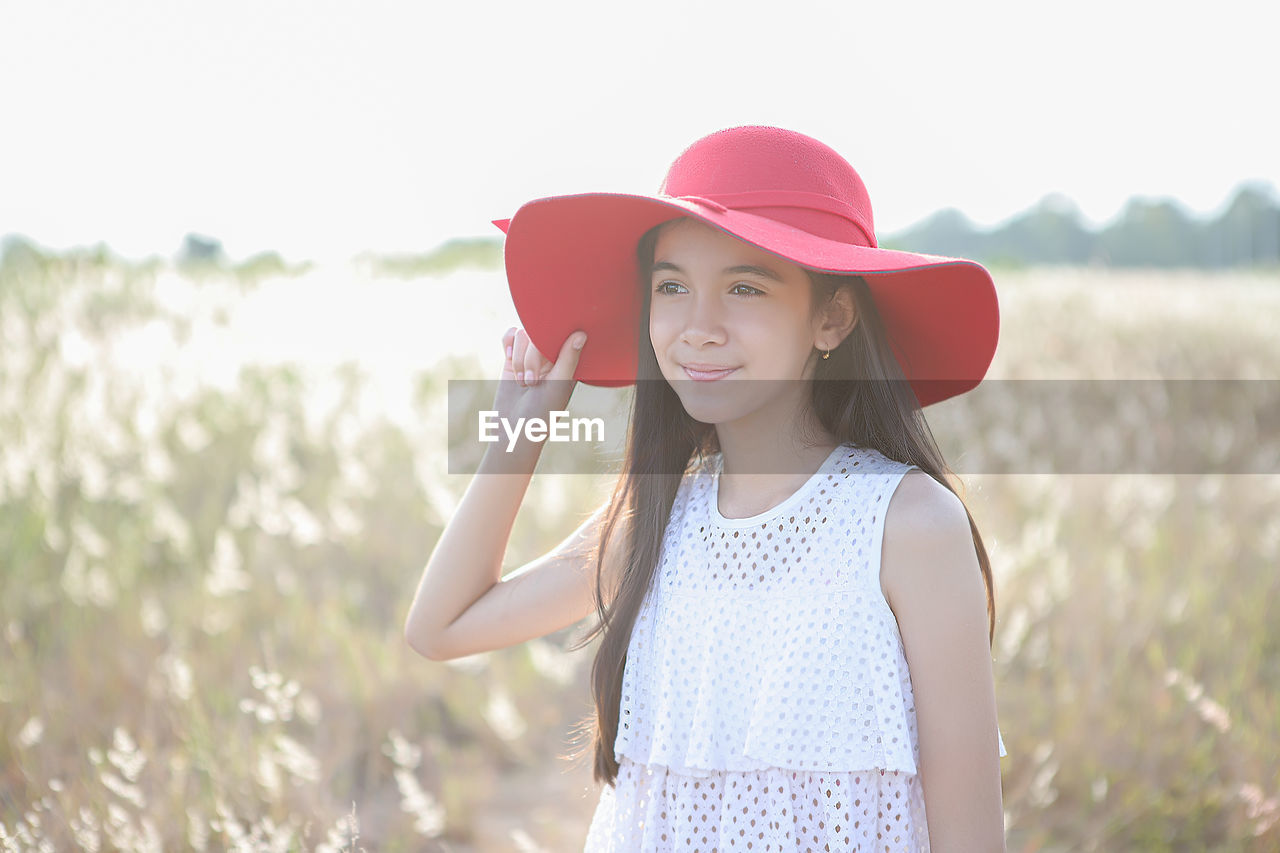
(779, 439)
(759, 471)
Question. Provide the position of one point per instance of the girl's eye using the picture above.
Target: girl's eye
(752, 291)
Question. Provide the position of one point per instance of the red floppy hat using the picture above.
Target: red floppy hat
(571, 260)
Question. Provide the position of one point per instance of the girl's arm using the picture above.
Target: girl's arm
(463, 605)
(931, 578)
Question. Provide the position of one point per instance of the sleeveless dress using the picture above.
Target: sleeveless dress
(766, 701)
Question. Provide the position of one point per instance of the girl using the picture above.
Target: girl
(790, 595)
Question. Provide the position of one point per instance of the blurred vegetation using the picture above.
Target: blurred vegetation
(202, 257)
(199, 259)
(484, 253)
(202, 602)
(1158, 233)
(1148, 233)
(202, 599)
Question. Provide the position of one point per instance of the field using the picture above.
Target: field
(217, 493)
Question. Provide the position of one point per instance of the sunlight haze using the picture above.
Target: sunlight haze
(321, 130)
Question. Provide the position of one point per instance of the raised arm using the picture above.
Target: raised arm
(932, 581)
(541, 597)
(463, 605)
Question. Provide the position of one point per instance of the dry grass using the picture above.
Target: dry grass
(202, 592)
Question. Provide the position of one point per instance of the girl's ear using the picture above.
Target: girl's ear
(839, 316)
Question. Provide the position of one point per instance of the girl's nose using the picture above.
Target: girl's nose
(704, 322)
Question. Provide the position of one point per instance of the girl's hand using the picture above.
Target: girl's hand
(531, 386)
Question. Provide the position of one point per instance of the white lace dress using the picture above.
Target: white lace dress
(766, 702)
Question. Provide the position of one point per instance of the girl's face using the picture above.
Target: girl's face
(718, 304)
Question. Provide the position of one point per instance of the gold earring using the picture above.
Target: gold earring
(827, 354)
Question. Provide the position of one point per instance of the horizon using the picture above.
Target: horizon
(1054, 198)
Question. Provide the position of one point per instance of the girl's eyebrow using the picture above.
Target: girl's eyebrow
(743, 269)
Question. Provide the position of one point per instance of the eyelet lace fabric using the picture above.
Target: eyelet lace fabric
(766, 700)
(654, 809)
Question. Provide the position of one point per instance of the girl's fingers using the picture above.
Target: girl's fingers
(508, 340)
(534, 365)
(523, 361)
(520, 345)
(570, 352)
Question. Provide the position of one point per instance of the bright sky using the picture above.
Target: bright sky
(320, 129)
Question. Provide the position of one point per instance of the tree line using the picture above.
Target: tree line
(1148, 233)
(1156, 233)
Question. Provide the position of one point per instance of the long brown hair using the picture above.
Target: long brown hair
(663, 443)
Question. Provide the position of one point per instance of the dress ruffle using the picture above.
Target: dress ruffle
(657, 810)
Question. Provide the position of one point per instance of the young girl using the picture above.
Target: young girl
(795, 608)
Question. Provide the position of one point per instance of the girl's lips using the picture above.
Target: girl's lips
(708, 375)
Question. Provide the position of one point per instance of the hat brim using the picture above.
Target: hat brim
(571, 264)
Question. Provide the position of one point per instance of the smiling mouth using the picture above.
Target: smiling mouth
(707, 375)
